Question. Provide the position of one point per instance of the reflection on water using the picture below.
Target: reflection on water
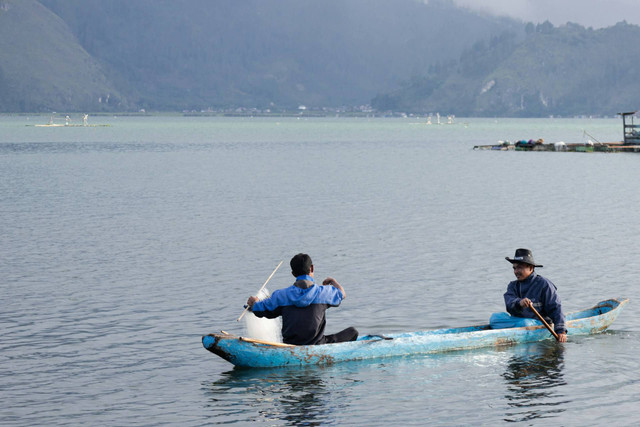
(534, 377)
(289, 396)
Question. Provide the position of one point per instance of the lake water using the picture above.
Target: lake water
(122, 245)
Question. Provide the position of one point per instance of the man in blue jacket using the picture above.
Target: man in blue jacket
(303, 305)
(530, 288)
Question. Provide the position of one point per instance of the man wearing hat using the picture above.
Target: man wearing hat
(531, 288)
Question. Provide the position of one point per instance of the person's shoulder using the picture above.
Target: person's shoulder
(545, 281)
(542, 278)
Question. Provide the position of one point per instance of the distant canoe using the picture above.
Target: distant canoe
(250, 353)
(60, 125)
(67, 123)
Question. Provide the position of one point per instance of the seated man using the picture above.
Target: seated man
(303, 305)
(530, 288)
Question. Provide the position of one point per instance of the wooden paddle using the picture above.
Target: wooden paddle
(543, 321)
(265, 284)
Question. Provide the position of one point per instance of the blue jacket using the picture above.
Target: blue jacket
(542, 294)
(302, 307)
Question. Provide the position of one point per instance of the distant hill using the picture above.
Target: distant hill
(42, 65)
(400, 55)
(195, 54)
(566, 70)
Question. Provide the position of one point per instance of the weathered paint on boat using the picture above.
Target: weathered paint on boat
(245, 353)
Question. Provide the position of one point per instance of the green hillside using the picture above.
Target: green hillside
(568, 70)
(42, 66)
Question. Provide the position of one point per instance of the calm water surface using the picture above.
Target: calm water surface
(122, 245)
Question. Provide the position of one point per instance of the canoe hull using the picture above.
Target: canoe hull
(258, 355)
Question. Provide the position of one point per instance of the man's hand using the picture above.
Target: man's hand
(562, 337)
(525, 302)
(252, 300)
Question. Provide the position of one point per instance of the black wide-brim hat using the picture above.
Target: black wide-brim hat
(524, 256)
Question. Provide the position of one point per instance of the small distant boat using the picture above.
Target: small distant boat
(68, 123)
(251, 353)
(52, 123)
(48, 125)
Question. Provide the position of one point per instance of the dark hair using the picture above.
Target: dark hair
(301, 264)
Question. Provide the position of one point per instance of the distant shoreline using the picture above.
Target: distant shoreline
(293, 114)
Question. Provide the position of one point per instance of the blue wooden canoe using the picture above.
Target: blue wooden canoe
(250, 353)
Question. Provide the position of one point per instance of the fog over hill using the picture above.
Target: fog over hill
(42, 67)
(561, 71)
(196, 54)
(400, 55)
(588, 13)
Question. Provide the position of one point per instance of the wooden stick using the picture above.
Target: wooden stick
(275, 344)
(265, 284)
(543, 321)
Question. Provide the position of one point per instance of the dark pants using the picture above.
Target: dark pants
(349, 334)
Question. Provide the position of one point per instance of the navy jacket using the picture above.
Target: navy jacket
(542, 294)
(302, 307)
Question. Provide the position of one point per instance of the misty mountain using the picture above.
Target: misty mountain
(566, 70)
(196, 54)
(402, 55)
(42, 67)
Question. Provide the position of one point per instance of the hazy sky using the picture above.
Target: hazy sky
(590, 13)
